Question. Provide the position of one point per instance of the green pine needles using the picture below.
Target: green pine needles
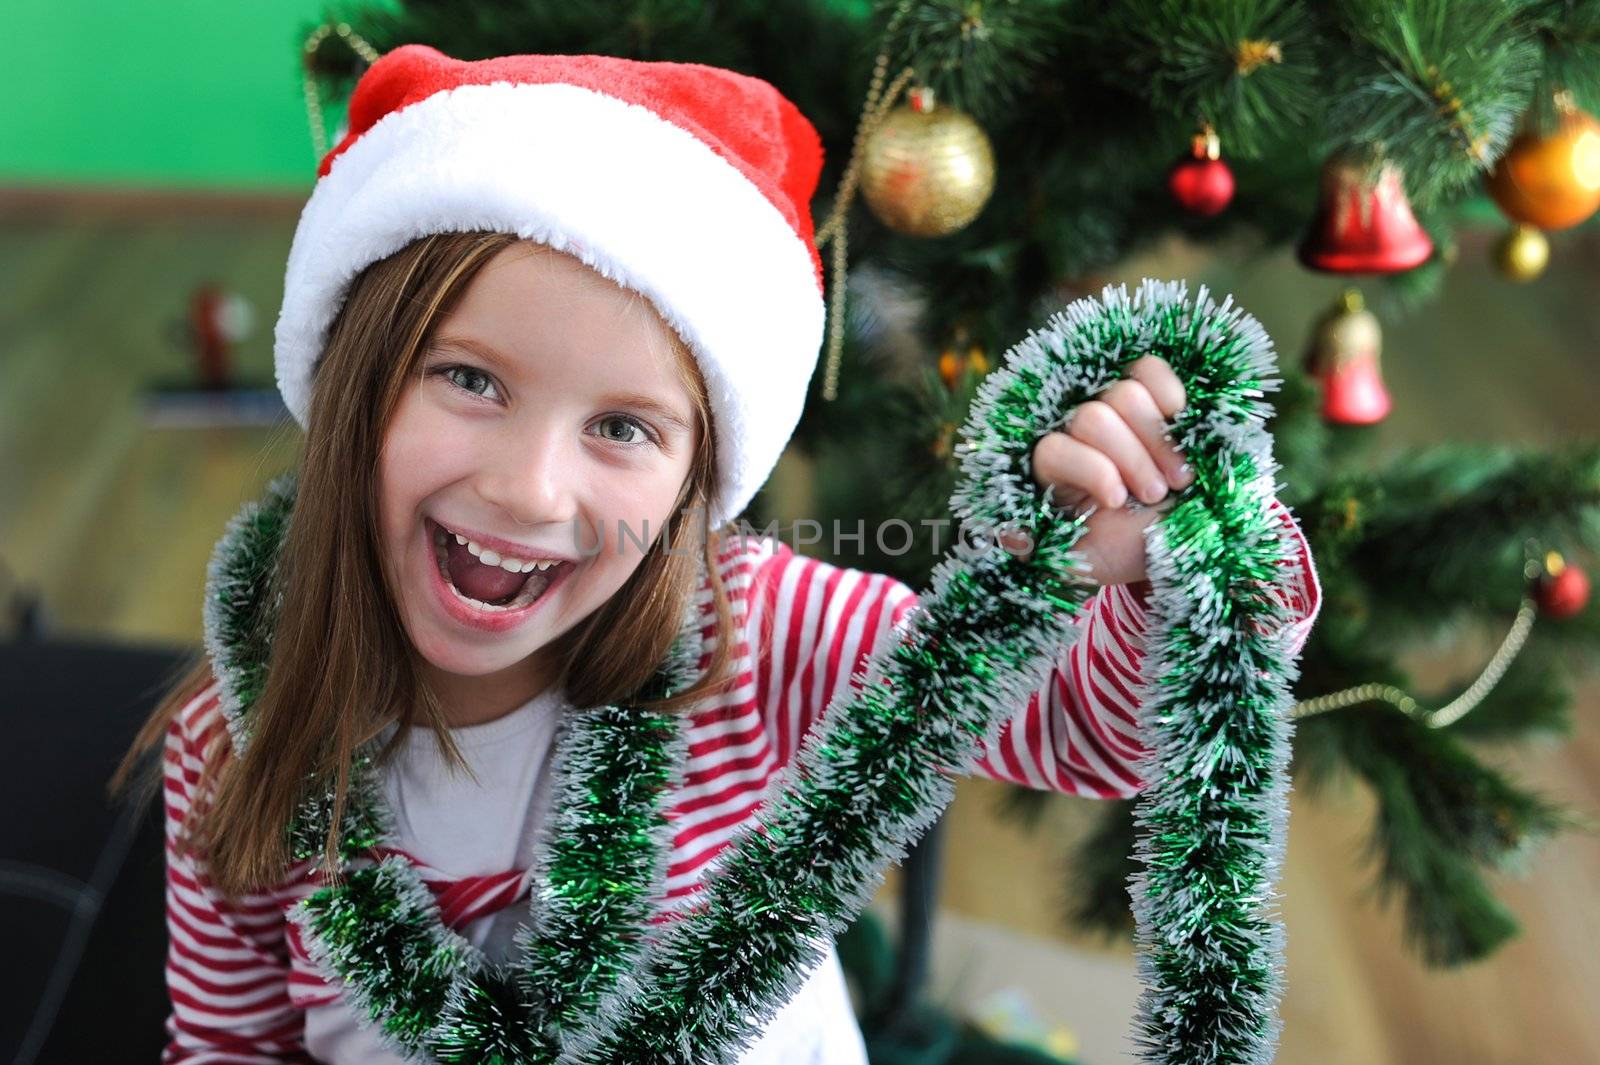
(588, 983)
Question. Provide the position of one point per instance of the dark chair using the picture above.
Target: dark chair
(82, 896)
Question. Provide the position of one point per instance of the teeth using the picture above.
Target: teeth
(494, 558)
(532, 590)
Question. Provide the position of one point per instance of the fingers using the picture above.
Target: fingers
(1118, 442)
(1153, 372)
(1060, 460)
(1101, 425)
(1141, 411)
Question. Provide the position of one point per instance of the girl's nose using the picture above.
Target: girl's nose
(531, 483)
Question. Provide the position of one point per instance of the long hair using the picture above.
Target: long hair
(341, 667)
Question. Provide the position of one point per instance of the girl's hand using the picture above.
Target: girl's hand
(1114, 448)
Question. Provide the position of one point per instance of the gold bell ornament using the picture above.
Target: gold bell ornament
(927, 169)
(1345, 357)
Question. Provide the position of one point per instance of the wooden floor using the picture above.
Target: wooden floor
(112, 522)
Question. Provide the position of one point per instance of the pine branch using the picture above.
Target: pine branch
(1438, 84)
(1442, 818)
(977, 55)
(641, 29)
(1245, 66)
(1568, 34)
(1473, 507)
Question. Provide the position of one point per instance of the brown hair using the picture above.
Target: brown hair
(341, 666)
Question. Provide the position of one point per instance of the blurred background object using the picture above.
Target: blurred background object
(1436, 427)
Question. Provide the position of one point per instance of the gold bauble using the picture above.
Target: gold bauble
(928, 169)
(1551, 180)
(1522, 254)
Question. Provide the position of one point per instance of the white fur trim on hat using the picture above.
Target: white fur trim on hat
(634, 197)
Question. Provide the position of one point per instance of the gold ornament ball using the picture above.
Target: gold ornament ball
(928, 169)
(1522, 254)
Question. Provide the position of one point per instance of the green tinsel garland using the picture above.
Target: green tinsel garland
(875, 772)
(430, 990)
(985, 635)
(241, 609)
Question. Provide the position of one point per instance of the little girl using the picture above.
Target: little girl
(548, 323)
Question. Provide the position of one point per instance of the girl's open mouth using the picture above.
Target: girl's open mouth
(485, 582)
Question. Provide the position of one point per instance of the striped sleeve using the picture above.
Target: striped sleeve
(1077, 734)
(227, 962)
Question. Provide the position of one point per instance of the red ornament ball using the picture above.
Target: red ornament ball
(1563, 593)
(1201, 186)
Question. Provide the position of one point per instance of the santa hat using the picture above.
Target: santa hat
(686, 183)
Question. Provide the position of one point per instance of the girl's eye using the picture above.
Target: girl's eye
(617, 427)
(469, 380)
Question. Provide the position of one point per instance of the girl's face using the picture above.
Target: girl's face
(547, 421)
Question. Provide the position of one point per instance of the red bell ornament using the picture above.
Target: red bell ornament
(1345, 358)
(1363, 224)
(1201, 182)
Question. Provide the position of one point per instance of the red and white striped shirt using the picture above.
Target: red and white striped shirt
(239, 980)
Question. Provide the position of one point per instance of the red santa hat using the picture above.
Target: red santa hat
(689, 184)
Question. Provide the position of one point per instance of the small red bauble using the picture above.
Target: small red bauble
(1201, 182)
(1562, 590)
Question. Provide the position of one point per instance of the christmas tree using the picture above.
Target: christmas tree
(988, 161)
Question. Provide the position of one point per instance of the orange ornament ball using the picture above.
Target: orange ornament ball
(1553, 180)
(949, 368)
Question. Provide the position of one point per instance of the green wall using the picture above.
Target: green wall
(156, 93)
